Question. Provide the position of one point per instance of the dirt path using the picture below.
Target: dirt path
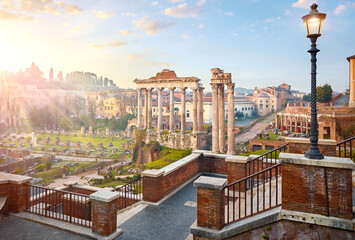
(251, 133)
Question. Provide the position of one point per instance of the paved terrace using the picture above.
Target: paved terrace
(170, 219)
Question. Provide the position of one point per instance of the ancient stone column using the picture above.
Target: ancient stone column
(160, 117)
(215, 132)
(221, 119)
(200, 109)
(149, 108)
(139, 108)
(231, 119)
(172, 122)
(194, 109)
(146, 108)
(183, 110)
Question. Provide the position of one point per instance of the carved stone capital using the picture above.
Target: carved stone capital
(214, 87)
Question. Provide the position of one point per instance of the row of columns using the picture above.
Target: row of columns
(291, 123)
(218, 119)
(197, 113)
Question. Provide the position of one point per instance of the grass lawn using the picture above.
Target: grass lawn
(273, 137)
(261, 152)
(169, 156)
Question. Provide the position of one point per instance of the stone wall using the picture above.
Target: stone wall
(177, 140)
(284, 229)
(23, 164)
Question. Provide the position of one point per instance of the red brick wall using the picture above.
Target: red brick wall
(302, 148)
(19, 194)
(235, 171)
(304, 190)
(213, 165)
(155, 189)
(263, 143)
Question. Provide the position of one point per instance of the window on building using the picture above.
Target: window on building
(242, 109)
(105, 108)
(267, 100)
(260, 105)
(267, 106)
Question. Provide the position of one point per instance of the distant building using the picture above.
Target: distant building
(271, 99)
(111, 108)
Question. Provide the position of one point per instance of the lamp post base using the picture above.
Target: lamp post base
(314, 153)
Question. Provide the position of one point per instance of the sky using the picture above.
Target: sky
(261, 42)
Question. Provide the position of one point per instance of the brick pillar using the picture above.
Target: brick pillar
(236, 168)
(321, 187)
(104, 213)
(210, 202)
(16, 189)
(153, 185)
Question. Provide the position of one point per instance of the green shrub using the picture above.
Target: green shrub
(19, 170)
(41, 167)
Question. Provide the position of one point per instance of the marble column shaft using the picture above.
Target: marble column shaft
(194, 109)
(215, 126)
(139, 108)
(200, 109)
(149, 108)
(145, 108)
(231, 119)
(221, 119)
(172, 122)
(183, 111)
(160, 117)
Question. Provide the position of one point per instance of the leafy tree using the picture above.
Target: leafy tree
(239, 115)
(307, 97)
(105, 82)
(254, 113)
(324, 93)
(91, 108)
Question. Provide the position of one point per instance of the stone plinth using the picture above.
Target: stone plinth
(301, 145)
(210, 202)
(321, 187)
(104, 212)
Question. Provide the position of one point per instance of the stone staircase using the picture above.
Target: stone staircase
(261, 200)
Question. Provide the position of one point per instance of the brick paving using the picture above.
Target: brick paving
(170, 220)
(20, 229)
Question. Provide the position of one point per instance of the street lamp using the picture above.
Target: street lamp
(314, 21)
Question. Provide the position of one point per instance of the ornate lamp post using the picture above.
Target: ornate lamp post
(314, 21)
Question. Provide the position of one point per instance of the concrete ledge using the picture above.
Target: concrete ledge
(318, 219)
(239, 227)
(153, 173)
(210, 183)
(237, 159)
(329, 142)
(104, 196)
(112, 236)
(332, 162)
(13, 178)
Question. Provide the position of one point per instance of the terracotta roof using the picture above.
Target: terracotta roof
(351, 57)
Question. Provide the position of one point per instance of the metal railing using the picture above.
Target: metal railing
(130, 193)
(264, 161)
(253, 194)
(345, 148)
(58, 204)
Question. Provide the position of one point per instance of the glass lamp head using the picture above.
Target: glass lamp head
(314, 22)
